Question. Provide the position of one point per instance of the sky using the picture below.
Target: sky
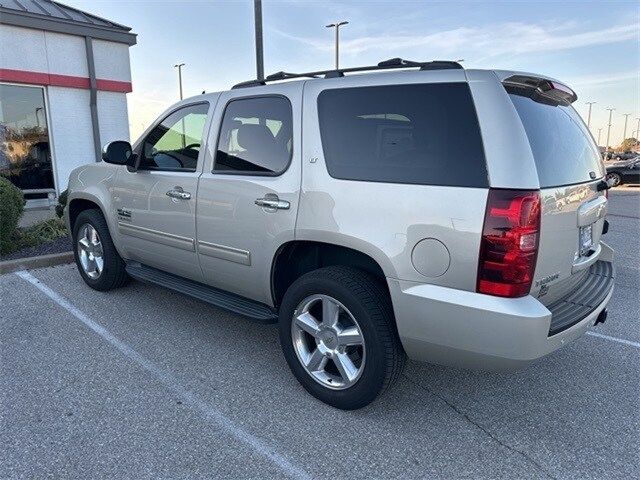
(591, 46)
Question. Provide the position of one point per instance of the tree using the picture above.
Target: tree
(628, 143)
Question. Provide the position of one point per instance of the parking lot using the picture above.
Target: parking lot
(146, 383)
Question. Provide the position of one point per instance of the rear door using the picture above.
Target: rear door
(248, 192)
(573, 210)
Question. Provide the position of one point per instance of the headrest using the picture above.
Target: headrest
(252, 136)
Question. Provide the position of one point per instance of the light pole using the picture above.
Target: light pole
(257, 15)
(624, 134)
(179, 67)
(609, 127)
(337, 26)
(599, 132)
(589, 114)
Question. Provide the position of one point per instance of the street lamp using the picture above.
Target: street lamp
(626, 117)
(179, 67)
(337, 26)
(610, 110)
(589, 114)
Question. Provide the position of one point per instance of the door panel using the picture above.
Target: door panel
(158, 230)
(238, 239)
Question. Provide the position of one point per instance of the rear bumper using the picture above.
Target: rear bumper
(471, 330)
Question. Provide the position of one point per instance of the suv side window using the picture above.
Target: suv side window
(174, 144)
(256, 137)
(425, 134)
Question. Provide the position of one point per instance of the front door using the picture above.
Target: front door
(156, 205)
(249, 190)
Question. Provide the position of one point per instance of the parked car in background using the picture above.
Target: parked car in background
(621, 172)
(455, 216)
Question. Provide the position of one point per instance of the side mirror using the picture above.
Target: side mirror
(119, 153)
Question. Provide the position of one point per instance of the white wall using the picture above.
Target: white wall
(113, 116)
(23, 49)
(70, 131)
(66, 54)
(112, 60)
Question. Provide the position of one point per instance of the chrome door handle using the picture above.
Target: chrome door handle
(273, 202)
(179, 194)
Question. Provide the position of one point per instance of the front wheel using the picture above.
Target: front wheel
(96, 257)
(338, 336)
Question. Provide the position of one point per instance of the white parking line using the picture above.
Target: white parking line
(615, 339)
(169, 381)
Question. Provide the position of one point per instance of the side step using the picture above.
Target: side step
(229, 301)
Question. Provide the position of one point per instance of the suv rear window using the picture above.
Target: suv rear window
(421, 134)
(562, 146)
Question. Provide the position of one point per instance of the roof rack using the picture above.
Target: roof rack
(385, 65)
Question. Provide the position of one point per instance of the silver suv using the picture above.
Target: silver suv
(452, 216)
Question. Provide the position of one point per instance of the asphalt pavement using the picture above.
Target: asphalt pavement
(145, 383)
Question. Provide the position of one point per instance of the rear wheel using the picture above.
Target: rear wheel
(615, 179)
(99, 264)
(338, 336)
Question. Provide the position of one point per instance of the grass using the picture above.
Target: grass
(42, 232)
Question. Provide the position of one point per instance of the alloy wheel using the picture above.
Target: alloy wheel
(328, 342)
(90, 251)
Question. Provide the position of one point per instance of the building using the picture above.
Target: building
(64, 76)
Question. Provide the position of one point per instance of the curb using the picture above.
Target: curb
(40, 261)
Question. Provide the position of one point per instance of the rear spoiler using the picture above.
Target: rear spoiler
(541, 89)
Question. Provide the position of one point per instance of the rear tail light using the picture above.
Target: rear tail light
(509, 244)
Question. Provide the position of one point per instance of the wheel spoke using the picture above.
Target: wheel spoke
(93, 235)
(308, 323)
(99, 263)
(345, 366)
(316, 361)
(91, 265)
(349, 336)
(330, 311)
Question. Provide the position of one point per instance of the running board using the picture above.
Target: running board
(229, 301)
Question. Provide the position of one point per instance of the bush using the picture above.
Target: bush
(62, 203)
(11, 208)
(43, 232)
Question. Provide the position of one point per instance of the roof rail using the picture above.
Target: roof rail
(390, 64)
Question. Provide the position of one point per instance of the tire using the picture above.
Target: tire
(366, 303)
(113, 273)
(615, 178)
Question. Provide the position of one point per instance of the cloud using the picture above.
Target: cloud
(603, 78)
(489, 40)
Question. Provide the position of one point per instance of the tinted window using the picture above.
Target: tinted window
(255, 137)
(175, 143)
(423, 134)
(562, 147)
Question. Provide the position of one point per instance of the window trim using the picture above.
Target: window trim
(246, 173)
(140, 147)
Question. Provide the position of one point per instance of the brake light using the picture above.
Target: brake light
(509, 245)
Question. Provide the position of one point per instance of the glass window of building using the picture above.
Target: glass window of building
(25, 157)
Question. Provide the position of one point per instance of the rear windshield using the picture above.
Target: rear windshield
(562, 147)
(422, 134)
